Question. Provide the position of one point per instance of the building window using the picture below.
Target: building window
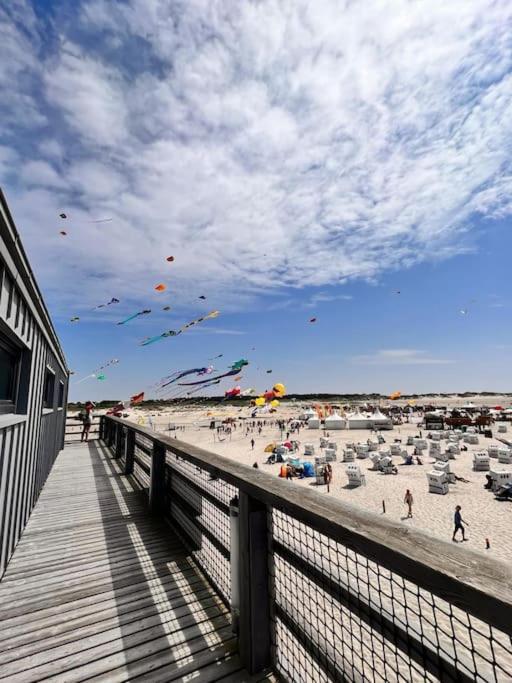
(61, 394)
(49, 388)
(9, 374)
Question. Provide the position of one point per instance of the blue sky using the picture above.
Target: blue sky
(298, 159)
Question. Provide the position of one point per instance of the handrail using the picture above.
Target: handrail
(479, 585)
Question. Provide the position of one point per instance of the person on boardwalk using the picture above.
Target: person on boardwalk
(87, 421)
(409, 500)
(252, 444)
(457, 518)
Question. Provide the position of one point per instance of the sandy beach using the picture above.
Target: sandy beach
(486, 517)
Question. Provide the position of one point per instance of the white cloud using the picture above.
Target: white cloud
(323, 297)
(263, 146)
(399, 357)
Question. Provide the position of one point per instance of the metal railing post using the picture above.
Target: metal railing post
(102, 428)
(157, 478)
(129, 451)
(254, 622)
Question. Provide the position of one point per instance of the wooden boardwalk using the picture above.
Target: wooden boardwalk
(99, 590)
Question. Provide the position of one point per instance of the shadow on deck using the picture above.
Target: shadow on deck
(99, 590)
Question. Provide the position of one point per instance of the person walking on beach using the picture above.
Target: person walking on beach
(252, 444)
(457, 518)
(87, 421)
(409, 500)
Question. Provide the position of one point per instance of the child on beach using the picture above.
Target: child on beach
(457, 518)
(408, 500)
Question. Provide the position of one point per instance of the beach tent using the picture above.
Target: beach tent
(314, 423)
(335, 421)
(308, 414)
(380, 420)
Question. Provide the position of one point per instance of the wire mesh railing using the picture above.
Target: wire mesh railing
(320, 591)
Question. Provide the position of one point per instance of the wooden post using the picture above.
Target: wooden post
(110, 433)
(118, 438)
(254, 624)
(102, 428)
(129, 451)
(157, 478)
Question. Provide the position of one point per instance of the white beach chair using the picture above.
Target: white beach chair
(309, 449)
(499, 478)
(493, 451)
(362, 450)
(471, 439)
(330, 455)
(375, 458)
(355, 477)
(333, 446)
(386, 466)
(348, 455)
(505, 455)
(453, 449)
(437, 482)
(502, 429)
(395, 448)
(481, 462)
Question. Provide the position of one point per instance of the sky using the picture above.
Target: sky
(344, 161)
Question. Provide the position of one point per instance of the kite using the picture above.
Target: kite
(152, 340)
(395, 395)
(268, 372)
(173, 333)
(101, 220)
(463, 311)
(100, 377)
(230, 373)
(113, 300)
(247, 392)
(179, 375)
(62, 215)
(215, 357)
(312, 320)
(74, 319)
(203, 386)
(206, 371)
(239, 364)
(135, 315)
(63, 233)
(202, 297)
(170, 259)
(232, 392)
(269, 398)
(166, 308)
(138, 398)
(160, 288)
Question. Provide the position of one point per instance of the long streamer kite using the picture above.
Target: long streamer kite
(135, 315)
(183, 328)
(234, 370)
(113, 300)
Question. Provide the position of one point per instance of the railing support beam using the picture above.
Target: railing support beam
(118, 439)
(157, 478)
(254, 620)
(129, 451)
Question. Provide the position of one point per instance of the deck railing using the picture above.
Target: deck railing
(74, 428)
(320, 590)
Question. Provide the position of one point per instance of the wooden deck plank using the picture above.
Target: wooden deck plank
(99, 590)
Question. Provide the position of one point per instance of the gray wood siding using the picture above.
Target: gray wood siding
(29, 447)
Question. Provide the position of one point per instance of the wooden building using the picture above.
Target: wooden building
(33, 388)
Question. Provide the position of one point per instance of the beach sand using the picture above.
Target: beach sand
(487, 518)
